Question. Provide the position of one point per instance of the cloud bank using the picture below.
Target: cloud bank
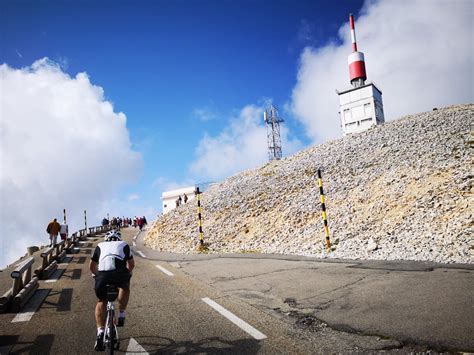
(419, 53)
(241, 145)
(61, 146)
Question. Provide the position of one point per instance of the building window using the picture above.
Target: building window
(347, 114)
(367, 109)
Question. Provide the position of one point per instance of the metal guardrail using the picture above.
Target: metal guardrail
(24, 285)
(48, 266)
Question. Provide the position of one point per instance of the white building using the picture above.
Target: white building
(360, 108)
(169, 197)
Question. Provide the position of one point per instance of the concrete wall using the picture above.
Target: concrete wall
(169, 197)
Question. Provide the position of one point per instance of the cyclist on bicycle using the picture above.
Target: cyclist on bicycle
(112, 264)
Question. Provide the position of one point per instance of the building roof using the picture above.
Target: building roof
(370, 83)
(175, 193)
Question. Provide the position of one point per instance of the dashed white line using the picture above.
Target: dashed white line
(141, 254)
(164, 270)
(134, 244)
(55, 276)
(234, 319)
(31, 307)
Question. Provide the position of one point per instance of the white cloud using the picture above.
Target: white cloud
(241, 145)
(205, 113)
(133, 197)
(419, 52)
(61, 146)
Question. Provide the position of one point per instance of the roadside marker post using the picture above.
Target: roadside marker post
(323, 208)
(85, 220)
(64, 212)
(198, 197)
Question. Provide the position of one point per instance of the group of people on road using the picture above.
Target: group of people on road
(139, 222)
(117, 222)
(53, 229)
(180, 200)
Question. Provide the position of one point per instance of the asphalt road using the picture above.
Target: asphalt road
(297, 305)
(166, 314)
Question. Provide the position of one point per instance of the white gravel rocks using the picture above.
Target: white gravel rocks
(400, 191)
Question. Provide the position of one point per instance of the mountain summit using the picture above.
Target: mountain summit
(399, 191)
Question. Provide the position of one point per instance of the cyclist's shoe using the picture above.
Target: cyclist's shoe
(99, 343)
(121, 321)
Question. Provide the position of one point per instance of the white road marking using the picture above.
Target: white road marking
(134, 347)
(134, 244)
(141, 254)
(55, 276)
(31, 307)
(234, 319)
(164, 270)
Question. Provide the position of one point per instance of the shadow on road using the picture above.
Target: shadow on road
(213, 345)
(73, 274)
(64, 300)
(40, 345)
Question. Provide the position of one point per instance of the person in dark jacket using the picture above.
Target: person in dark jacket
(53, 229)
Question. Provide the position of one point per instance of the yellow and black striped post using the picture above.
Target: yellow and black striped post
(85, 220)
(64, 212)
(198, 197)
(323, 208)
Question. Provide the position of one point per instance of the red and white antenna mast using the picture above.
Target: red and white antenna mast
(356, 60)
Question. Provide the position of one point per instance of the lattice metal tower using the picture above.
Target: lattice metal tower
(271, 118)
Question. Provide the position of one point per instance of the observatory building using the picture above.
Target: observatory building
(361, 105)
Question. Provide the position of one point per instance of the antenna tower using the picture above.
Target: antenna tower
(271, 118)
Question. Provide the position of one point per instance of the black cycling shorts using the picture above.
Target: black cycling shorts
(120, 279)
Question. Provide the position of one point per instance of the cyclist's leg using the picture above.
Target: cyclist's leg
(100, 313)
(123, 282)
(123, 296)
(101, 293)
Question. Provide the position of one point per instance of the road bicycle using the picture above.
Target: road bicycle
(111, 337)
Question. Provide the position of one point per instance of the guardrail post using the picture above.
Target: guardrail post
(48, 265)
(60, 251)
(23, 284)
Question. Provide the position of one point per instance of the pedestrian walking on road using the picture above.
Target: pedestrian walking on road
(63, 231)
(185, 198)
(53, 229)
(179, 200)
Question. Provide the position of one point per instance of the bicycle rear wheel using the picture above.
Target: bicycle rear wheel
(110, 345)
(110, 334)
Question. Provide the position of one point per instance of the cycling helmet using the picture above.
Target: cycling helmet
(113, 235)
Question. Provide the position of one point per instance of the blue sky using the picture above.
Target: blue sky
(159, 61)
(192, 79)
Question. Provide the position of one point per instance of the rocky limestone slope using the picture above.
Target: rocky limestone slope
(402, 190)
